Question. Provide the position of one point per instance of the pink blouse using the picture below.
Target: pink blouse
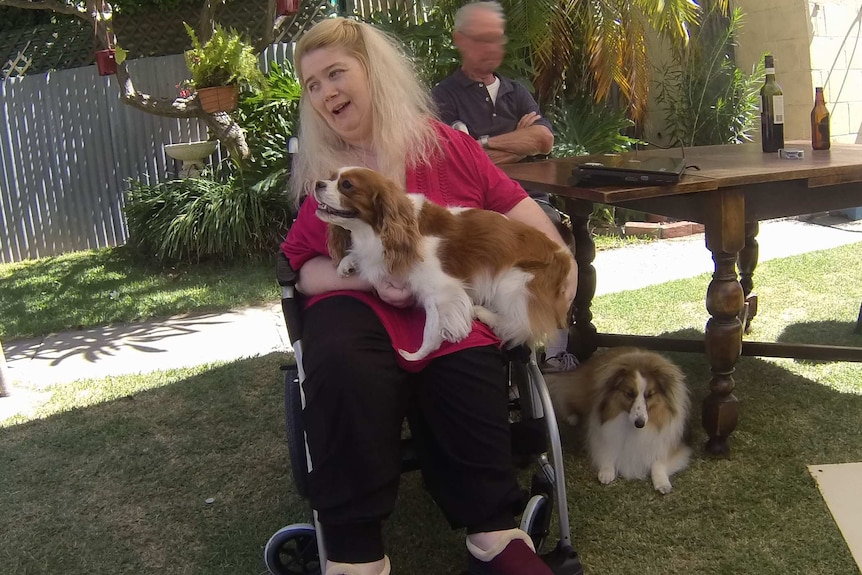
(464, 177)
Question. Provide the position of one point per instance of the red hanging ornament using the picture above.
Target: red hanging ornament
(286, 7)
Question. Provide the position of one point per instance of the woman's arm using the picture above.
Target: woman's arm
(319, 275)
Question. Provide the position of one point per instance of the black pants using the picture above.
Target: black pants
(356, 401)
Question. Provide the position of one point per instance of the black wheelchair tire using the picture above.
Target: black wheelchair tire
(292, 550)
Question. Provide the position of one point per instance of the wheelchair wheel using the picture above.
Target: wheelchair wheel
(536, 520)
(292, 550)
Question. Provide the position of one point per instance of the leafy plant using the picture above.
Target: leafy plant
(198, 218)
(270, 118)
(225, 59)
(706, 97)
(583, 126)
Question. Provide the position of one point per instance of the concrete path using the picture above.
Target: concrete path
(34, 365)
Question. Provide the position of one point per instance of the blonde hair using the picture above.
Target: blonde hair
(403, 135)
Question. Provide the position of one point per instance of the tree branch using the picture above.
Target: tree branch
(57, 6)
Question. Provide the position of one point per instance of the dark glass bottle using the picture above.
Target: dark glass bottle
(771, 110)
(820, 137)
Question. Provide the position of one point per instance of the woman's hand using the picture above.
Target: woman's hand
(395, 292)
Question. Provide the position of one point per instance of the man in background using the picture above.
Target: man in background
(501, 115)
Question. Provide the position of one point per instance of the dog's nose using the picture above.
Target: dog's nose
(639, 422)
(320, 185)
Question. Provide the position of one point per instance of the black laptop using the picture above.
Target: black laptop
(624, 170)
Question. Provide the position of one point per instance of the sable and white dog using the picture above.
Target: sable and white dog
(460, 263)
(635, 404)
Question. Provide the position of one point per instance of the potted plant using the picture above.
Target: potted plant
(219, 66)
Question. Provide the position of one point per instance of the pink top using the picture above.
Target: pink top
(465, 177)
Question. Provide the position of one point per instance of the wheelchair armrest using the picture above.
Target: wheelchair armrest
(290, 306)
(284, 273)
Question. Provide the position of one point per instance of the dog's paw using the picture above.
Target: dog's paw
(660, 478)
(453, 336)
(607, 475)
(455, 328)
(664, 488)
(347, 266)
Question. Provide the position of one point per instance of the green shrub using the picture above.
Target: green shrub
(196, 219)
(707, 99)
(269, 118)
(583, 126)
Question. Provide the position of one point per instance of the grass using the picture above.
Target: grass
(100, 287)
(112, 475)
(109, 286)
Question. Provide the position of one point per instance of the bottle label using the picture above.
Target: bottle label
(769, 71)
(778, 109)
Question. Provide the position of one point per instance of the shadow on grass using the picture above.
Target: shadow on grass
(822, 333)
(120, 487)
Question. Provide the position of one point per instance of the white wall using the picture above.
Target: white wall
(814, 44)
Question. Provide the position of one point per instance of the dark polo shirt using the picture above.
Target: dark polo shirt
(460, 98)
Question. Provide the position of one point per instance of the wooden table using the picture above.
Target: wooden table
(735, 187)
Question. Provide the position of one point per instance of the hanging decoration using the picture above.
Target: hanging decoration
(107, 59)
(286, 7)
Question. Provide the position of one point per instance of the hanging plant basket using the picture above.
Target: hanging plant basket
(106, 62)
(218, 98)
(286, 7)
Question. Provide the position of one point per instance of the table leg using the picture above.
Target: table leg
(725, 238)
(747, 262)
(582, 333)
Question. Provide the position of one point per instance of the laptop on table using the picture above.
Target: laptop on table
(615, 170)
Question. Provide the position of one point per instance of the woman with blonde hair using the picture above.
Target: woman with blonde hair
(362, 104)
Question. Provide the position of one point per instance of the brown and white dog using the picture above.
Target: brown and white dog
(635, 404)
(460, 263)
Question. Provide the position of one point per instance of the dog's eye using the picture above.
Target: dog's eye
(649, 394)
(346, 184)
(630, 394)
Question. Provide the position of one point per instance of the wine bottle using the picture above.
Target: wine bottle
(820, 137)
(771, 110)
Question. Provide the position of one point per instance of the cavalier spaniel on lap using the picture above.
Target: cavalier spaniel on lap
(460, 263)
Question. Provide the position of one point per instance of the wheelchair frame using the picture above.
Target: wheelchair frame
(303, 544)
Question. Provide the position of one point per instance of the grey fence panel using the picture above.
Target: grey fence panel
(69, 146)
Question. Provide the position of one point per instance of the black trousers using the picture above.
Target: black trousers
(356, 401)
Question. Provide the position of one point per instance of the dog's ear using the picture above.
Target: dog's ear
(337, 242)
(399, 229)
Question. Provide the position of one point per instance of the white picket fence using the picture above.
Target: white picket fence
(68, 147)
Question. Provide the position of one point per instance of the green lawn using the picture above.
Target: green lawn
(112, 475)
(100, 287)
(109, 286)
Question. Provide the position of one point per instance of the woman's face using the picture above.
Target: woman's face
(337, 87)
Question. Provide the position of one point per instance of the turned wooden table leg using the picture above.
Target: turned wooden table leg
(725, 238)
(747, 261)
(582, 333)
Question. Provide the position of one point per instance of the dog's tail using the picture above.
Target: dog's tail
(432, 337)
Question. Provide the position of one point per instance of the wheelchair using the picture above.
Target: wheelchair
(299, 548)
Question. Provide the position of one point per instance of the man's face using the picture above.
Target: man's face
(482, 42)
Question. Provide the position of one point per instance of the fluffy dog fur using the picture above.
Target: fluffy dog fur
(635, 404)
(460, 263)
